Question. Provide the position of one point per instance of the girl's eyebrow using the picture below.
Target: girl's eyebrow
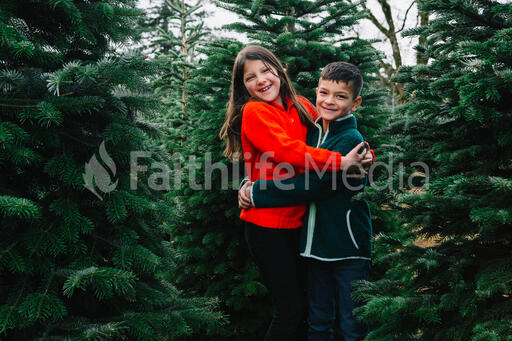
(250, 73)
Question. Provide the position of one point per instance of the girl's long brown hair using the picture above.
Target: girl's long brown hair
(239, 96)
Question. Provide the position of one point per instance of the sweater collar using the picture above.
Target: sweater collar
(289, 104)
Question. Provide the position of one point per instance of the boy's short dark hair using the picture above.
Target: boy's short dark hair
(344, 72)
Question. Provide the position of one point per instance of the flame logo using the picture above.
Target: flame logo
(97, 176)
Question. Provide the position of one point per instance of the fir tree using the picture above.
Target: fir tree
(458, 121)
(205, 224)
(151, 24)
(306, 35)
(81, 264)
(184, 34)
(175, 31)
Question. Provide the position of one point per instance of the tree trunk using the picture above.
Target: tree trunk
(184, 51)
(390, 33)
(420, 57)
(397, 56)
(290, 27)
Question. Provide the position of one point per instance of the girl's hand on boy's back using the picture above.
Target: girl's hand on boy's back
(353, 161)
(244, 196)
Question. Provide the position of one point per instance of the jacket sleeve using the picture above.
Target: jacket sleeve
(263, 129)
(306, 187)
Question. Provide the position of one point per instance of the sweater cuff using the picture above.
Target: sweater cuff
(242, 183)
(252, 197)
(255, 185)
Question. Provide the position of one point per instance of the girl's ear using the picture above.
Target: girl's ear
(282, 82)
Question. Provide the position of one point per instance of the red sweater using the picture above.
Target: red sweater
(267, 129)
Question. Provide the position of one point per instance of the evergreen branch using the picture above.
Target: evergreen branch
(57, 105)
(489, 20)
(39, 241)
(100, 332)
(134, 12)
(19, 207)
(17, 106)
(318, 5)
(9, 248)
(12, 308)
(110, 280)
(108, 241)
(94, 145)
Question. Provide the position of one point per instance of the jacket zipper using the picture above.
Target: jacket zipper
(349, 227)
(312, 206)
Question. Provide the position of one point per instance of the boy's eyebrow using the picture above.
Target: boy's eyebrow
(336, 92)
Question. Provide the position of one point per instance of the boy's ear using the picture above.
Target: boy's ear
(357, 103)
(316, 91)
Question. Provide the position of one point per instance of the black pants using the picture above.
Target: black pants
(276, 252)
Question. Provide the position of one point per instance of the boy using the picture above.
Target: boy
(336, 237)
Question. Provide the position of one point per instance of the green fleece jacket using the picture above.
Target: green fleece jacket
(336, 226)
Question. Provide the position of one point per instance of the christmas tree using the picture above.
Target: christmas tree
(306, 35)
(181, 32)
(178, 48)
(82, 262)
(449, 273)
(206, 226)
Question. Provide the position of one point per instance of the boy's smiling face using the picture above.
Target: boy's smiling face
(335, 100)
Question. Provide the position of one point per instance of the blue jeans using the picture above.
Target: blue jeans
(330, 283)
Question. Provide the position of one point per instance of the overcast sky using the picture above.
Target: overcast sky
(366, 29)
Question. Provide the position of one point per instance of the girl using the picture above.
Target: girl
(268, 122)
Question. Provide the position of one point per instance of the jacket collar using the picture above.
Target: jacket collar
(341, 124)
(287, 101)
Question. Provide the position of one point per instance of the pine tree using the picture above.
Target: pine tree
(177, 61)
(458, 121)
(150, 26)
(205, 224)
(306, 35)
(82, 264)
(181, 32)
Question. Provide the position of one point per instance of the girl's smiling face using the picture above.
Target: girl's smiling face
(262, 82)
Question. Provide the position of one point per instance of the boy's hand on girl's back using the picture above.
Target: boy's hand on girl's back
(244, 196)
(354, 161)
